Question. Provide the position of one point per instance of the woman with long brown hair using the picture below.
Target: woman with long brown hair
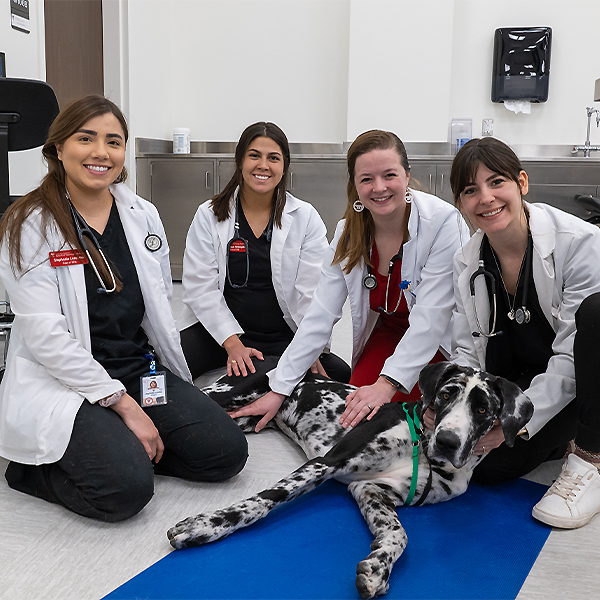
(86, 265)
(391, 257)
(252, 261)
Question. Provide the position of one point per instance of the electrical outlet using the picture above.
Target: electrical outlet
(487, 127)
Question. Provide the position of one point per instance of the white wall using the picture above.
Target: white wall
(217, 66)
(324, 70)
(574, 67)
(25, 58)
(400, 68)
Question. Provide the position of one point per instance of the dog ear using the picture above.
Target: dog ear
(517, 409)
(429, 381)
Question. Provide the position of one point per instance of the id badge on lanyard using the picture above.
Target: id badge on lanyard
(153, 386)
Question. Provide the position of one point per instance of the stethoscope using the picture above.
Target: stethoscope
(82, 229)
(520, 315)
(370, 283)
(238, 244)
(152, 242)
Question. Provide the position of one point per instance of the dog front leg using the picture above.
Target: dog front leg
(205, 528)
(377, 506)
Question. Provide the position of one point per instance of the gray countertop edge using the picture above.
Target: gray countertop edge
(417, 151)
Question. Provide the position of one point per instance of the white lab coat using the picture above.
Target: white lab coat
(566, 269)
(297, 250)
(436, 230)
(50, 370)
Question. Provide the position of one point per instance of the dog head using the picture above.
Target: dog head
(467, 403)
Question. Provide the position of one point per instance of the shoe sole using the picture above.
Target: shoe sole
(559, 522)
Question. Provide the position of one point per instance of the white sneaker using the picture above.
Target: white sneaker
(574, 498)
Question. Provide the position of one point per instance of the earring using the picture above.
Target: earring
(408, 197)
(358, 206)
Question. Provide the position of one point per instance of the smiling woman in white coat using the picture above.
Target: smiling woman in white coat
(251, 264)
(97, 396)
(391, 257)
(521, 284)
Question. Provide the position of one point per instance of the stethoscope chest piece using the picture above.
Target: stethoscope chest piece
(522, 315)
(153, 242)
(369, 281)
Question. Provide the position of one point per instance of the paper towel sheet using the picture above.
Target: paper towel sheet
(518, 106)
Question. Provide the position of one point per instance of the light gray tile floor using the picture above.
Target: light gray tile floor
(47, 553)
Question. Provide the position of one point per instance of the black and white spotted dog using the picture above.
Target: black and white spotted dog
(375, 458)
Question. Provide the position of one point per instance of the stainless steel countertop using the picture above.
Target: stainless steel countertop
(422, 151)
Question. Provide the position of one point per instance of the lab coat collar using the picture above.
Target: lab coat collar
(542, 230)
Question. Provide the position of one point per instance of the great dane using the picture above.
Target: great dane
(382, 461)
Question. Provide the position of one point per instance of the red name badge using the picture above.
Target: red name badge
(65, 258)
(237, 246)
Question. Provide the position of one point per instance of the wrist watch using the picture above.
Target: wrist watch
(391, 381)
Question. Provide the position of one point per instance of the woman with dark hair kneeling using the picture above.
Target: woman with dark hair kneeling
(519, 283)
(252, 261)
(97, 396)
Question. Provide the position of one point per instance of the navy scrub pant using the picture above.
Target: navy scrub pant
(106, 474)
(203, 354)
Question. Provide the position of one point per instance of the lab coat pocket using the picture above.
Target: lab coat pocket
(35, 411)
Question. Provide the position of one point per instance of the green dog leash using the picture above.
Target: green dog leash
(416, 440)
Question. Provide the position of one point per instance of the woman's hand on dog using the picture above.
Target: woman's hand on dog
(266, 405)
(366, 401)
(492, 439)
(239, 357)
(317, 369)
(429, 418)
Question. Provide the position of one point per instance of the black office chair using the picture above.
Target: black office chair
(592, 206)
(27, 109)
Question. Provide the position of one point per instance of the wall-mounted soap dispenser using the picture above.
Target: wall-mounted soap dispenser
(521, 67)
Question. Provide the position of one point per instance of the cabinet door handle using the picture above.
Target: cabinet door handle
(430, 183)
(442, 184)
(291, 180)
(207, 180)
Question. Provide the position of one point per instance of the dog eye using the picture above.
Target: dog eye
(445, 396)
(482, 410)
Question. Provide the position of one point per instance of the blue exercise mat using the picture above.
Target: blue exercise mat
(480, 546)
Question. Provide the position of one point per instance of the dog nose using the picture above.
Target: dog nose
(447, 442)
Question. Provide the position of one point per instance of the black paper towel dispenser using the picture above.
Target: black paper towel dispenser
(521, 67)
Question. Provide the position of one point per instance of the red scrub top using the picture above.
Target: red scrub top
(388, 332)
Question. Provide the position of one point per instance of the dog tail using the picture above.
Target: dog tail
(210, 527)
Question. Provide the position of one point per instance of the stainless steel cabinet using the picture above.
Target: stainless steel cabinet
(323, 184)
(177, 185)
(432, 177)
(558, 185)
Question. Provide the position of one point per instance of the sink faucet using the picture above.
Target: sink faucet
(587, 149)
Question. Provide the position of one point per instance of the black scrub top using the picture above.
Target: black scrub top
(522, 351)
(255, 305)
(118, 340)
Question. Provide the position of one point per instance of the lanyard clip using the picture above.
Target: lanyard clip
(150, 357)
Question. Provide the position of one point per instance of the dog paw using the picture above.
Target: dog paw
(372, 577)
(189, 533)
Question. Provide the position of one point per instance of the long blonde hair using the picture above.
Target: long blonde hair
(357, 238)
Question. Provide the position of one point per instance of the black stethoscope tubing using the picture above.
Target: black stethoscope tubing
(522, 314)
(237, 237)
(82, 229)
